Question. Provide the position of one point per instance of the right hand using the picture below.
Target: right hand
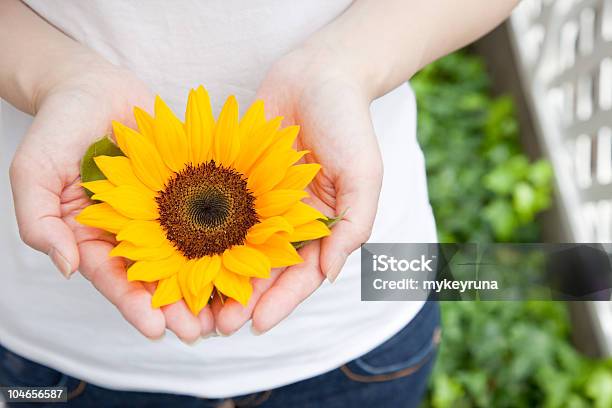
(314, 89)
(72, 112)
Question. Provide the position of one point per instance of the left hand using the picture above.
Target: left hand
(72, 113)
(308, 87)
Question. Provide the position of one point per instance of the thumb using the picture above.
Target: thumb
(357, 194)
(36, 195)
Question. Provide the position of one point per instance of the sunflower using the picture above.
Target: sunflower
(205, 203)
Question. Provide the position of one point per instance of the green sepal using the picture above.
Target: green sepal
(89, 170)
(329, 222)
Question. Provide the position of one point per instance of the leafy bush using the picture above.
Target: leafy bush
(484, 189)
(514, 354)
(481, 186)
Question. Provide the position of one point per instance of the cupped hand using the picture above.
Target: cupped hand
(70, 114)
(310, 89)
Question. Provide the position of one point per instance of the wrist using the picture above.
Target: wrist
(368, 51)
(336, 57)
(74, 68)
(316, 62)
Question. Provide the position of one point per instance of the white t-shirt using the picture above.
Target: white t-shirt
(227, 45)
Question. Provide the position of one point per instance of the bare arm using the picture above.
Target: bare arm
(385, 42)
(35, 56)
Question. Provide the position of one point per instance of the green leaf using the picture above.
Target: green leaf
(519, 165)
(524, 200)
(540, 173)
(102, 147)
(502, 219)
(446, 392)
(501, 180)
(599, 388)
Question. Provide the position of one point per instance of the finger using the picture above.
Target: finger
(182, 322)
(131, 298)
(207, 322)
(38, 212)
(358, 196)
(294, 285)
(216, 304)
(232, 315)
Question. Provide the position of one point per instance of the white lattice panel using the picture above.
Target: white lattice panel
(564, 50)
(564, 53)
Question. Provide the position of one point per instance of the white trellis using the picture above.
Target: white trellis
(564, 54)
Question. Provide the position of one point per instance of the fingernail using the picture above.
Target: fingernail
(157, 339)
(60, 262)
(221, 334)
(334, 270)
(191, 342)
(209, 335)
(256, 332)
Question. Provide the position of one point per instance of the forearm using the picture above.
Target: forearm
(384, 43)
(35, 56)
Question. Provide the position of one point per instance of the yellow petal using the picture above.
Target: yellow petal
(259, 233)
(135, 253)
(143, 233)
(246, 261)
(98, 186)
(184, 275)
(102, 216)
(199, 125)
(146, 124)
(311, 230)
(204, 271)
(151, 271)
(252, 119)
(202, 298)
(272, 168)
(183, 279)
(235, 286)
(145, 159)
(276, 202)
(301, 213)
(195, 302)
(170, 137)
(118, 170)
(279, 251)
(167, 292)
(131, 202)
(226, 141)
(286, 137)
(256, 144)
(299, 176)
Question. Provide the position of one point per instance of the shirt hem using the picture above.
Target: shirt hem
(336, 357)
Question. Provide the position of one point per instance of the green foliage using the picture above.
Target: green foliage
(514, 354)
(481, 186)
(484, 189)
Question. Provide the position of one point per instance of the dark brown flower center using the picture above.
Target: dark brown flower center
(206, 209)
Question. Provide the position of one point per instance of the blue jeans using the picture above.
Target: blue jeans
(394, 374)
